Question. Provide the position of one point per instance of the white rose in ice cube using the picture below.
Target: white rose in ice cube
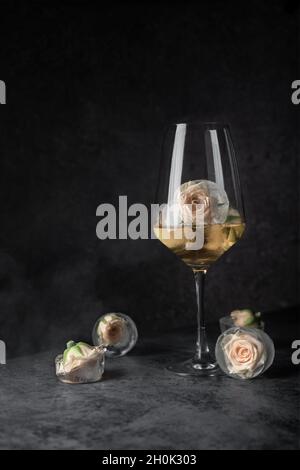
(202, 200)
(80, 363)
(117, 332)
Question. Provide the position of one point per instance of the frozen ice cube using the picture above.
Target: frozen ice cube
(200, 199)
(244, 353)
(80, 363)
(116, 332)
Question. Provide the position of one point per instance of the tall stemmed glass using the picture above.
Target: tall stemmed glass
(201, 212)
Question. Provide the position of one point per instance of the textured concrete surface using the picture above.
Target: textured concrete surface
(140, 405)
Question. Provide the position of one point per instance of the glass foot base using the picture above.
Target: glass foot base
(189, 368)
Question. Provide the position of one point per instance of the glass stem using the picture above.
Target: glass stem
(202, 358)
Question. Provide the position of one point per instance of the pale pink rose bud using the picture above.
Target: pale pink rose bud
(244, 317)
(117, 332)
(202, 201)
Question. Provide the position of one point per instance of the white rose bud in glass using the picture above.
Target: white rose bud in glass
(116, 332)
(80, 363)
(202, 199)
(244, 353)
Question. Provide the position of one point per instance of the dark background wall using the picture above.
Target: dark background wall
(89, 92)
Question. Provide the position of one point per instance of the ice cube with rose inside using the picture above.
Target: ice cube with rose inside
(201, 200)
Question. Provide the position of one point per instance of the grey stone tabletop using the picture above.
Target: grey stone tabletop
(140, 405)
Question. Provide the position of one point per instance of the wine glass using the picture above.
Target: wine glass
(201, 213)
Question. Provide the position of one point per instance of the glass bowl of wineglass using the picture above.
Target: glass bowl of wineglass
(200, 212)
